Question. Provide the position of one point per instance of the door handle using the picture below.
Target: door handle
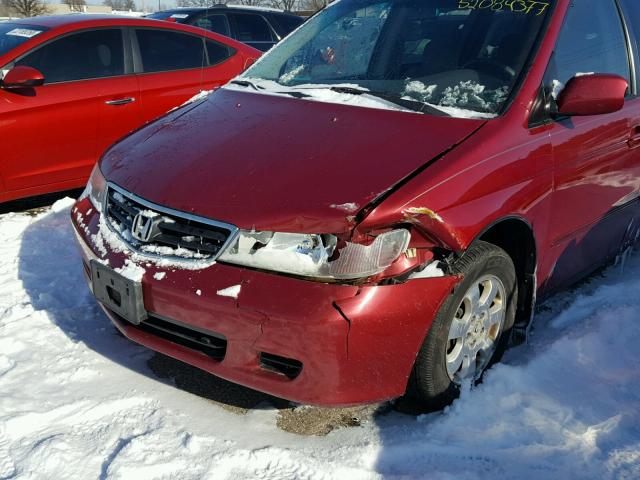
(120, 101)
(634, 137)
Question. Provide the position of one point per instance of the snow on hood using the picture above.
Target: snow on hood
(321, 93)
(277, 163)
(453, 103)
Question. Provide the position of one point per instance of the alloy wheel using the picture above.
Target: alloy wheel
(475, 329)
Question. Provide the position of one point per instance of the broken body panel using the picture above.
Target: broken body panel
(334, 330)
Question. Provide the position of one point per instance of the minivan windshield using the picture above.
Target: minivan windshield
(13, 34)
(461, 58)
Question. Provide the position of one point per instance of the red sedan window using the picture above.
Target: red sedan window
(165, 50)
(79, 56)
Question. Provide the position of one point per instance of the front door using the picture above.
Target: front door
(596, 164)
(49, 133)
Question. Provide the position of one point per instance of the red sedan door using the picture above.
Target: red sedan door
(50, 133)
(119, 106)
(174, 66)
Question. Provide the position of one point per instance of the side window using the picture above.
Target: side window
(632, 11)
(217, 52)
(252, 28)
(214, 23)
(285, 24)
(591, 41)
(79, 56)
(165, 50)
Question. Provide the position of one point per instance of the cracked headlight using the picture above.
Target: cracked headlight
(96, 188)
(317, 256)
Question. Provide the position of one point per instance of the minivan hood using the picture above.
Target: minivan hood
(274, 163)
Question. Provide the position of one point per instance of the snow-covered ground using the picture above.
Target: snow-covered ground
(77, 401)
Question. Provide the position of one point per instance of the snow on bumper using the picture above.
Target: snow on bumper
(356, 344)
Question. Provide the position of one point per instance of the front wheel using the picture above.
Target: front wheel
(471, 330)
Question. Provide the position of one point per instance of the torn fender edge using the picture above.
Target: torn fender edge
(393, 321)
(433, 226)
(378, 199)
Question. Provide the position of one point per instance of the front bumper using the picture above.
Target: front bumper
(356, 344)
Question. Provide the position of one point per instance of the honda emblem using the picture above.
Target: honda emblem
(143, 227)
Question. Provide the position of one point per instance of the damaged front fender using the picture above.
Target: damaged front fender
(392, 321)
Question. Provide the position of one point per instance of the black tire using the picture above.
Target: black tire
(429, 384)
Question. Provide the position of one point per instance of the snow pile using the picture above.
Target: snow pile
(79, 401)
(473, 96)
(465, 100)
(132, 271)
(350, 207)
(318, 93)
(232, 292)
(179, 257)
(419, 91)
(556, 88)
(202, 94)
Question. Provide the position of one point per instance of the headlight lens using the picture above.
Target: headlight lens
(317, 256)
(96, 188)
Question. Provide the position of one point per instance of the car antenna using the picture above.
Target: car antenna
(204, 46)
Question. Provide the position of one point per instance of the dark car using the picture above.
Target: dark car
(259, 27)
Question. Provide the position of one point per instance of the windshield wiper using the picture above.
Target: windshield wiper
(246, 83)
(415, 105)
(349, 90)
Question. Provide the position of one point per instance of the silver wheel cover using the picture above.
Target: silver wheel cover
(475, 329)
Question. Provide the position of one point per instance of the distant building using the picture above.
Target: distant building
(62, 8)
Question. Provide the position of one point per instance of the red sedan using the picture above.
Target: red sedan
(429, 170)
(72, 85)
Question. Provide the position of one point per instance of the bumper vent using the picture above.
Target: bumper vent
(288, 367)
(163, 232)
(211, 344)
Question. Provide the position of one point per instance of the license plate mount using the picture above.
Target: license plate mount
(120, 294)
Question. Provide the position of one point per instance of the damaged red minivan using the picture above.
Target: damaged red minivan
(374, 208)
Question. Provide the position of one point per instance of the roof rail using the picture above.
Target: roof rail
(253, 7)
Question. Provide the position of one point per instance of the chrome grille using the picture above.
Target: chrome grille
(160, 231)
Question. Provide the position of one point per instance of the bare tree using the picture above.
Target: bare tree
(28, 8)
(4, 8)
(200, 3)
(252, 3)
(75, 5)
(286, 5)
(120, 5)
(314, 5)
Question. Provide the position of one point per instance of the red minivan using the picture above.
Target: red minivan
(374, 208)
(71, 85)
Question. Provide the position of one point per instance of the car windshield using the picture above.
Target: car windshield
(13, 34)
(449, 57)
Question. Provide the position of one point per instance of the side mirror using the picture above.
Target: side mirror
(22, 77)
(592, 95)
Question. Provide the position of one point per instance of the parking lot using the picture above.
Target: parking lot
(396, 240)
